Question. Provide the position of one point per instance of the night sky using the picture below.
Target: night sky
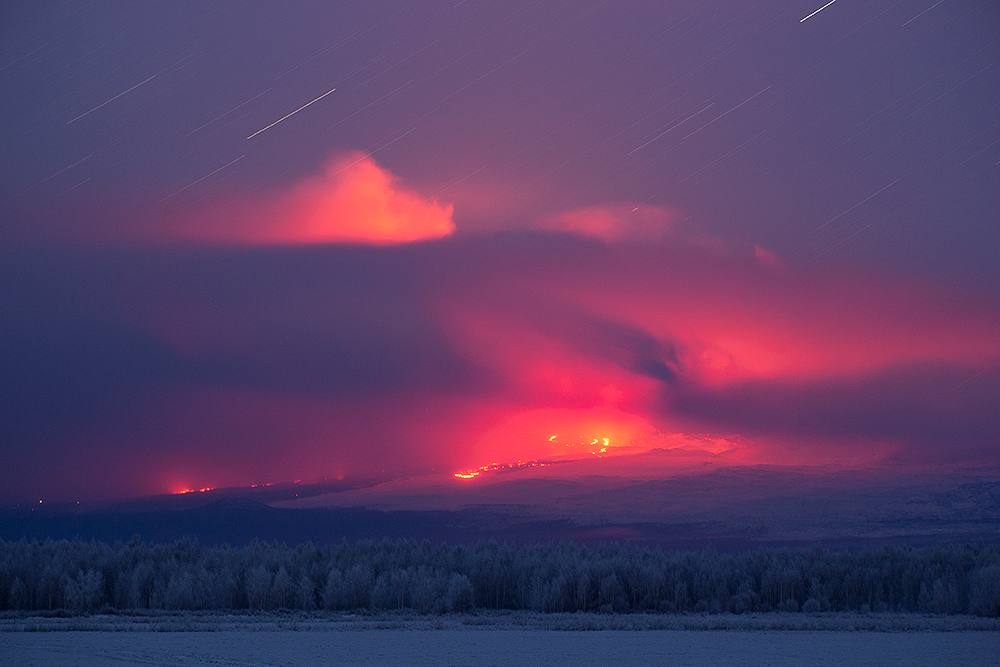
(252, 242)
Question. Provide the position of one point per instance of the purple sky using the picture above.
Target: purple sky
(717, 218)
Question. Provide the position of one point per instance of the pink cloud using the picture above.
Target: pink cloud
(616, 222)
(627, 222)
(765, 256)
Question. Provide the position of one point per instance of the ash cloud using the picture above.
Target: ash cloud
(933, 413)
(206, 366)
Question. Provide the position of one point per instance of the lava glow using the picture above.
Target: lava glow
(517, 465)
(598, 447)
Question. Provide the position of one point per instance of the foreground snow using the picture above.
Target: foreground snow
(489, 646)
(162, 621)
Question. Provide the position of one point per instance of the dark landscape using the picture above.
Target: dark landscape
(84, 577)
(727, 510)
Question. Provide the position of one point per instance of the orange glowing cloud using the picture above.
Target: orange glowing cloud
(354, 200)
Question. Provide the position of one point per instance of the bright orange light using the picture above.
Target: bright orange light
(469, 474)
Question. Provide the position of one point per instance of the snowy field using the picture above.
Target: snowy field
(486, 639)
(487, 647)
(325, 621)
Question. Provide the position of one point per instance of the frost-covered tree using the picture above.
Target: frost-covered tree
(258, 587)
(283, 588)
(85, 591)
(459, 597)
(305, 593)
(18, 598)
(82, 576)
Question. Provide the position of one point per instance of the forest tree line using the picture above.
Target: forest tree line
(87, 577)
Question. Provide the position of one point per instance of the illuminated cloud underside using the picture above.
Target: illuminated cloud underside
(229, 366)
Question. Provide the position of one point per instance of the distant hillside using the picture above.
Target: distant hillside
(728, 509)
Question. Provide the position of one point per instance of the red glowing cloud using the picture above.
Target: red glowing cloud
(675, 348)
(353, 201)
(212, 367)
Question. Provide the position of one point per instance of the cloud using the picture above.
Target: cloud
(936, 413)
(233, 363)
(618, 343)
(765, 256)
(632, 223)
(353, 201)
(616, 222)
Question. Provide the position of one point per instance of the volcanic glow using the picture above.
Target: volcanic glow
(400, 240)
(633, 436)
(478, 355)
(517, 465)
